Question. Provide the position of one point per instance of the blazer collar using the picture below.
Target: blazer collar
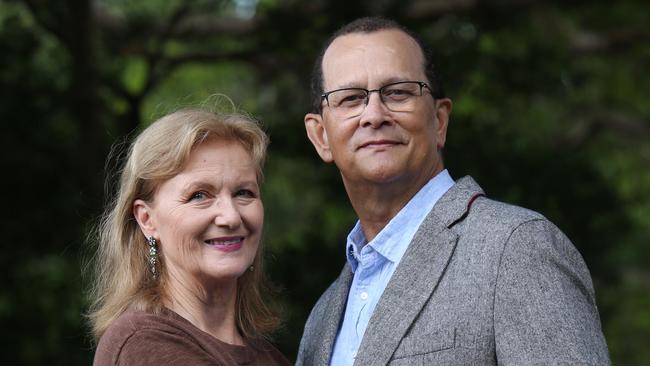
(455, 203)
(416, 276)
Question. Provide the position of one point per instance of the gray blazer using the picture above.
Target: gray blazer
(482, 283)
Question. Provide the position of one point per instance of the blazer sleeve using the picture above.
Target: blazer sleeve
(313, 337)
(304, 352)
(544, 307)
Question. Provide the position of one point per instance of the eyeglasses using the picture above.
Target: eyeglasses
(397, 97)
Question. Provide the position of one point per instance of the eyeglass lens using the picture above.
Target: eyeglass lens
(398, 97)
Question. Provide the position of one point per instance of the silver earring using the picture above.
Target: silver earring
(251, 268)
(153, 255)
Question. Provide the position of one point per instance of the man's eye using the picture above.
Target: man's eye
(398, 93)
(352, 99)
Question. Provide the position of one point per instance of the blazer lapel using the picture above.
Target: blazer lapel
(416, 276)
(330, 320)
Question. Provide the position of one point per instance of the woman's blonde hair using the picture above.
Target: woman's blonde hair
(121, 278)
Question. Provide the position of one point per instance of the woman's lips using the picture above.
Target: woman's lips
(226, 244)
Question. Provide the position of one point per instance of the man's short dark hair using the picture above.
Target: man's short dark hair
(370, 25)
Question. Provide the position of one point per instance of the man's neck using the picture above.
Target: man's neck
(377, 204)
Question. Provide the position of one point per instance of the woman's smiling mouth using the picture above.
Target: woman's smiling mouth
(226, 244)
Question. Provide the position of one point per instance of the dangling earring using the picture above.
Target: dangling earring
(153, 255)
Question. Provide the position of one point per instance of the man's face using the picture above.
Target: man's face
(379, 146)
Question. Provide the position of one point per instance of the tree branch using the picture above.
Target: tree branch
(589, 42)
(426, 9)
(41, 19)
(606, 121)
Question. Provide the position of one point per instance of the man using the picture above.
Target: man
(436, 272)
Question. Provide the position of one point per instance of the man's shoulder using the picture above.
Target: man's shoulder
(499, 221)
(472, 205)
(493, 210)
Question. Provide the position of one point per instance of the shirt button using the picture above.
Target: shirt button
(364, 296)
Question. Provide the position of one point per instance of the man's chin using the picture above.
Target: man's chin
(380, 174)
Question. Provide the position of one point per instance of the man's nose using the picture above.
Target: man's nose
(375, 113)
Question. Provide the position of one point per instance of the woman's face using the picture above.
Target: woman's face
(207, 219)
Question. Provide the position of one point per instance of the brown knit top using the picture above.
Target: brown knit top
(139, 338)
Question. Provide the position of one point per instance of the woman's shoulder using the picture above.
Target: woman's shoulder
(141, 336)
(133, 322)
(266, 353)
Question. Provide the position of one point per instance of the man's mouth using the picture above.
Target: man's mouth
(379, 143)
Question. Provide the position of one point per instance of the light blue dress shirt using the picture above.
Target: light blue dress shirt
(374, 262)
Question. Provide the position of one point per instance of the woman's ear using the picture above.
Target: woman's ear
(143, 214)
(318, 136)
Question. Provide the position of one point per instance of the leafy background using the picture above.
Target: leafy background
(550, 112)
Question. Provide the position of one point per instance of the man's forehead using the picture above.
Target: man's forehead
(387, 54)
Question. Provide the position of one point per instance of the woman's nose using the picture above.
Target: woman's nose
(227, 214)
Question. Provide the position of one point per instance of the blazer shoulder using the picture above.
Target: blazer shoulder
(466, 202)
(488, 212)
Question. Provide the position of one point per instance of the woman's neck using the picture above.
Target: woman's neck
(211, 310)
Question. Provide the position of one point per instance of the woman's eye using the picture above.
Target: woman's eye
(197, 196)
(247, 193)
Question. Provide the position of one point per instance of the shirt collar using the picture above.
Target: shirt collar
(356, 241)
(393, 240)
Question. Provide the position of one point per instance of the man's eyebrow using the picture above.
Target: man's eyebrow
(351, 84)
(390, 80)
(394, 79)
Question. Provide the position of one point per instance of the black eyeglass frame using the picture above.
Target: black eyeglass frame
(422, 84)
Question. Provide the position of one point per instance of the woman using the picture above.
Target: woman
(178, 270)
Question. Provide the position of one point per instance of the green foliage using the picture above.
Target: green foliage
(550, 112)
(200, 85)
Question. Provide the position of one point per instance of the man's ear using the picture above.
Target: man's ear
(318, 136)
(443, 110)
(143, 215)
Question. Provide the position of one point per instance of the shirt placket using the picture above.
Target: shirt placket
(368, 265)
